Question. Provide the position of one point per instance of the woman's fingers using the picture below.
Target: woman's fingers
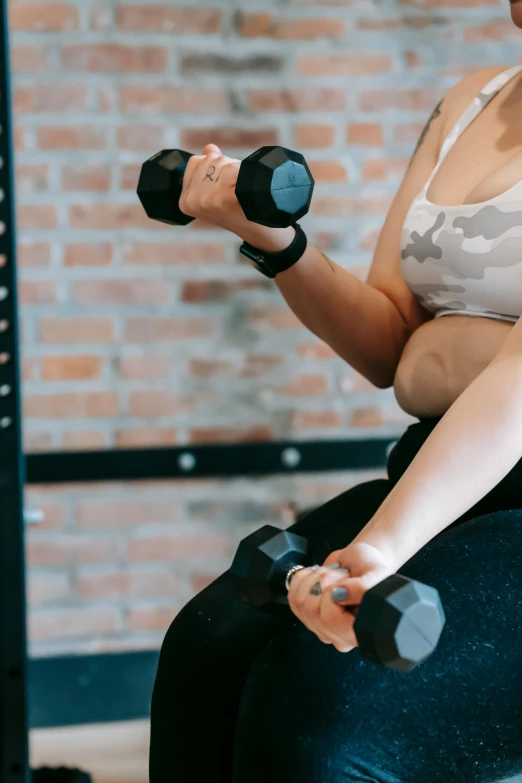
(311, 589)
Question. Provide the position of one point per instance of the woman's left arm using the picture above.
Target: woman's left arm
(473, 447)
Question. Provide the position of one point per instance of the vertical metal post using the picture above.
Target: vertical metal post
(13, 653)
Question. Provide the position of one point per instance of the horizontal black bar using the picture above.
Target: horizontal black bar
(234, 459)
(72, 690)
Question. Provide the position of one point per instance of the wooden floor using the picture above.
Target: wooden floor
(112, 753)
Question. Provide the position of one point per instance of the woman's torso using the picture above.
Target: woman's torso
(474, 266)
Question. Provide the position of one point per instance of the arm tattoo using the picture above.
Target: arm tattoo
(434, 115)
(330, 263)
(316, 589)
(211, 170)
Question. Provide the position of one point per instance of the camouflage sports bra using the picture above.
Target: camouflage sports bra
(466, 259)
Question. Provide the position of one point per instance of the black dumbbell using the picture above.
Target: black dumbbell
(274, 187)
(398, 623)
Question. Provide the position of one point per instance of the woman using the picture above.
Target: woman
(246, 697)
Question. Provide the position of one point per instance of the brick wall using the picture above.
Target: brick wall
(136, 333)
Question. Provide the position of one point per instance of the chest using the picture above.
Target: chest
(486, 159)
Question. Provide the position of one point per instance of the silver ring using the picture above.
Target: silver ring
(290, 575)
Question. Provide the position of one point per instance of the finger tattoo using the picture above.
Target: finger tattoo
(316, 589)
(211, 170)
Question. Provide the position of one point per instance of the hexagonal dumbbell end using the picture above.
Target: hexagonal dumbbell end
(399, 623)
(261, 564)
(161, 184)
(274, 187)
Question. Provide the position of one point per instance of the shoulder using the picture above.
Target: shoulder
(458, 98)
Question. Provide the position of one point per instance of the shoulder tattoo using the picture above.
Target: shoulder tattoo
(435, 113)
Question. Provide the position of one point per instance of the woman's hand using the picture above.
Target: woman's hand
(361, 566)
(209, 185)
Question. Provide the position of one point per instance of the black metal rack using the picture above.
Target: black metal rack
(13, 710)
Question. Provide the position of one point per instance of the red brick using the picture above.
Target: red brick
(207, 368)
(48, 16)
(266, 25)
(37, 292)
(403, 23)
(343, 64)
(19, 138)
(111, 513)
(156, 403)
(384, 169)
(228, 138)
(306, 135)
(310, 100)
(126, 584)
(273, 318)
(50, 97)
(141, 137)
(369, 238)
(36, 440)
(88, 254)
(498, 30)
(83, 137)
(110, 217)
(167, 98)
(305, 385)
(259, 365)
(408, 132)
(328, 171)
(154, 548)
(76, 330)
(32, 177)
(54, 513)
(140, 437)
(449, 3)
(199, 580)
(306, 420)
(71, 368)
(27, 58)
(152, 618)
(162, 18)
(71, 405)
(254, 433)
(366, 134)
(79, 440)
(66, 623)
(173, 253)
(366, 417)
(219, 290)
(130, 173)
(315, 351)
(144, 367)
(45, 588)
(147, 330)
(412, 59)
(121, 292)
(345, 206)
(328, 240)
(408, 100)
(114, 58)
(29, 367)
(86, 177)
(68, 550)
(33, 253)
(37, 217)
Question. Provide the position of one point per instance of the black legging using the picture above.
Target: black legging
(245, 697)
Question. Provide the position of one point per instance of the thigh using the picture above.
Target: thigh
(210, 646)
(319, 716)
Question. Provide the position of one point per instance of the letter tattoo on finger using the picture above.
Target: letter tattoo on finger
(316, 589)
(211, 170)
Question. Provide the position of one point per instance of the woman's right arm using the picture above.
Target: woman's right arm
(366, 323)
